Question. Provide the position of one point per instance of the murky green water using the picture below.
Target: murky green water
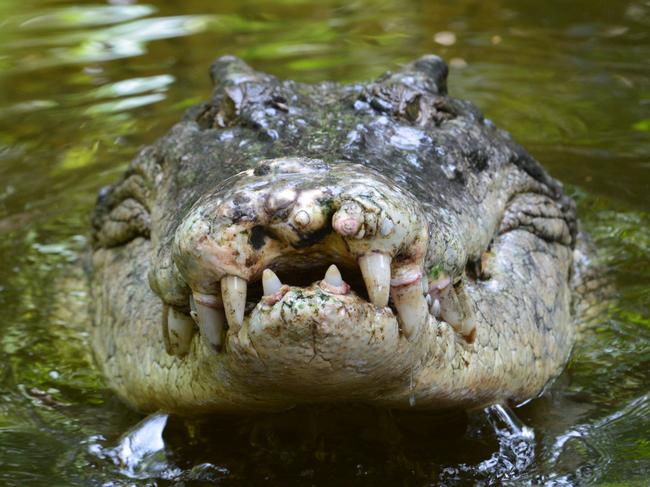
(83, 85)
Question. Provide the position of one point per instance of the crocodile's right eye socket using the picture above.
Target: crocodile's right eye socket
(122, 213)
(543, 216)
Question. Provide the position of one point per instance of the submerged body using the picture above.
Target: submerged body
(294, 244)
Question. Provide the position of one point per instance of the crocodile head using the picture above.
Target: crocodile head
(288, 244)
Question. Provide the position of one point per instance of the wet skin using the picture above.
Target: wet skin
(453, 252)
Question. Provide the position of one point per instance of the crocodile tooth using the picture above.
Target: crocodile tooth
(333, 276)
(450, 308)
(375, 269)
(411, 307)
(302, 219)
(348, 219)
(193, 313)
(212, 323)
(386, 227)
(233, 292)
(181, 331)
(425, 285)
(454, 313)
(211, 320)
(270, 283)
(333, 282)
(435, 308)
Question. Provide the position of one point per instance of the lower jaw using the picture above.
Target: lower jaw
(313, 346)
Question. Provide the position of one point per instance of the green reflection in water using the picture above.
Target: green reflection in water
(82, 86)
(77, 16)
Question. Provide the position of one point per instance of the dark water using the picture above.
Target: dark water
(82, 86)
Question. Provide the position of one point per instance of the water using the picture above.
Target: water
(83, 85)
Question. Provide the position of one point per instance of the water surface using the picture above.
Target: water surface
(83, 85)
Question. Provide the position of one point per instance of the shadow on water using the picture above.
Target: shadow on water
(84, 84)
(322, 445)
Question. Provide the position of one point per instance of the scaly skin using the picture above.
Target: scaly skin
(294, 177)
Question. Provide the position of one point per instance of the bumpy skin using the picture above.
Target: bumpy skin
(442, 192)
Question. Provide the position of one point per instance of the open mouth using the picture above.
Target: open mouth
(242, 308)
(332, 276)
(370, 283)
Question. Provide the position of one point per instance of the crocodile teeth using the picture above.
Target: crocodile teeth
(435, 308)
(212, 321)
(270, 283)
(386, 227)
(193, 313)
(348, 219)
(333, 281)
(333, 276)
(233, 292)
(457, 315)
(181, 330)
(302, 219)
(411, 307)
(375, 269)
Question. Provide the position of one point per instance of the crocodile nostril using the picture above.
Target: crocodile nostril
(257, 237)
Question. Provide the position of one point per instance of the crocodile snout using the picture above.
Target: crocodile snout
(295, 218)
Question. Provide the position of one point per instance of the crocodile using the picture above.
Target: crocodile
(289, 244)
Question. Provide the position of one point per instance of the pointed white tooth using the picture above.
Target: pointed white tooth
(233, 292)
(193, 313)
(450, 310)
(411, 308)
(181, 331)
(333, 282)
(386, 227)
(333, 276)
(348, 219)
(435, 308)
(270, 282)
(457, 315)
(212, 323)
(302, 218)
(375, 269)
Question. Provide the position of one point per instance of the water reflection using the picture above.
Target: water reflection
(119, 41)
(77, 16)
(82, 86)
